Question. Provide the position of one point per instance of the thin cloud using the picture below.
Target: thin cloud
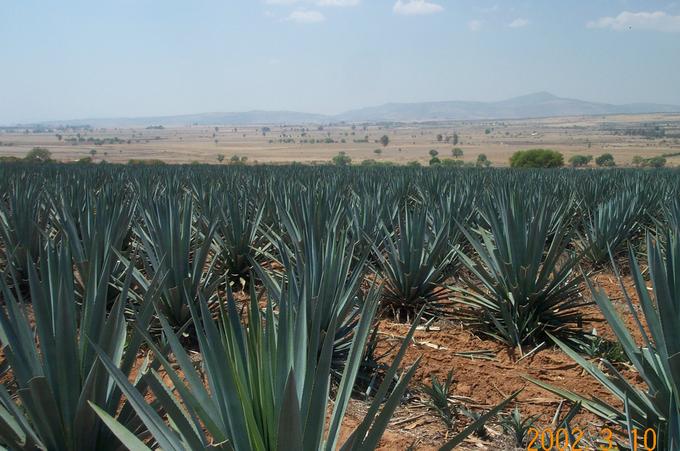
(474, 25)
(315, 2)
(518, 23)
(491, 9)
(416, 8)
(281, 2)
(337, 2)
(650, 21)
(306, 16)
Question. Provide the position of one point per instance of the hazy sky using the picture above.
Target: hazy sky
(94, 58)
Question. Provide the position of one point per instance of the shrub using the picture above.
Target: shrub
(452, 163)
(655, 162)
(342, 159)
(39, 154)
(536, 158)
(482, 161)
(580, 160)
(371, 162)
(605, 160)
(145, 162)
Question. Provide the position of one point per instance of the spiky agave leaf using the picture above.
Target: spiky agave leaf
(609, 225)
(175, 244)
(521, 291)
(656, 358)
(414, 263)
(23, 223)
(237, 236)
(55, 372)
(261, 379)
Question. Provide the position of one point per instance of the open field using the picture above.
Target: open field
(240, 307)
(408, 142)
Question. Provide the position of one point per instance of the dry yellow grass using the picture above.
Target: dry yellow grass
(408, 142)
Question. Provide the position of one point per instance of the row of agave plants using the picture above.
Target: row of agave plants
(113, 277)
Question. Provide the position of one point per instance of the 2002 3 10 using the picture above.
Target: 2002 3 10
(561, 440)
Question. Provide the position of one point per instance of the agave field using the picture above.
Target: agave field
(204, 307)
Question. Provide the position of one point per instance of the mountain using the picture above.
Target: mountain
(238, 118)
(541, 104)
(537, 105)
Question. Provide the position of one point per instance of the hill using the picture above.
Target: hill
(537, 105)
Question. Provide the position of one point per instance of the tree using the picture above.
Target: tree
(638, 160)
(433, 152)
(342, 159)
(439, 137)
(93, 152)
(580, 160)
(482, 161)
(377, 151)
(384, 140)
(605, 160)
(455, 139)
(487, 131)
(434, 161)
(220, 157)
(455, 163)
(59, 136)
(39, 154)
(536, 158)
(457, 152)
(655, 162)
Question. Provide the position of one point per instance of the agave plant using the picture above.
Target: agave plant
(514, 425)
(438, 394)
(414, 263)
(325, 277)
(96, 234)
(656, 358)
(238, 222)
(267, 385)
(521, 291)
(55, 371)
(612, 222)
(23, 223)
(176, 246)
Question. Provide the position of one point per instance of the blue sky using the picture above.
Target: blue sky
(77, 59)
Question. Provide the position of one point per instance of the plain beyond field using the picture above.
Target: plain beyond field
(624, 136)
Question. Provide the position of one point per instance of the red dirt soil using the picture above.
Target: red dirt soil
(481, 384)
